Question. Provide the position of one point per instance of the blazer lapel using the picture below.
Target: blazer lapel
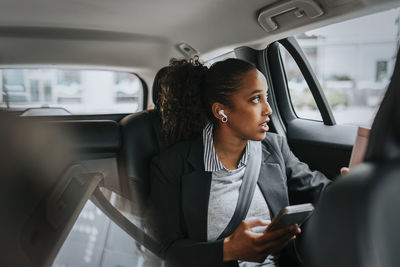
(272, 183)
(195, 193)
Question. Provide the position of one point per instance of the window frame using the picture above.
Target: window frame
(323, 145)
(278, 74)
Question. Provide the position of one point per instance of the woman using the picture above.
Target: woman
(195, 182)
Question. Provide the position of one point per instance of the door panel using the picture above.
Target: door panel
(324, 148)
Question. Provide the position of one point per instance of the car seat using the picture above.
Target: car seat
(141, 141)
(356, 222)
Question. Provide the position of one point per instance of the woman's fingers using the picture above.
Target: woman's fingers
(277, 234)
(247, 245)
(344, 170)
(276, 245)
(242, 244)
(280, 244)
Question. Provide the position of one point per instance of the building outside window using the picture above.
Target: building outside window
(353, 61)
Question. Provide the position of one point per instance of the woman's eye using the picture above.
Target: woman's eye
(256, 99)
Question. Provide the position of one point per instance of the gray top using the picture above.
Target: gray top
(224, 193)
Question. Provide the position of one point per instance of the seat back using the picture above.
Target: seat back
(141, 141)
(356, 221)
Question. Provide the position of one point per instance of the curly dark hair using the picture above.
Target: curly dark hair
(182, 112)
(156, 88)
(189, 90)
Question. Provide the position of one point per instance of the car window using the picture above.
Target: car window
(300, 94)
(353, 61)
(76, 91)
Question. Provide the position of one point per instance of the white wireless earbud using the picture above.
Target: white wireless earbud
(224, 117)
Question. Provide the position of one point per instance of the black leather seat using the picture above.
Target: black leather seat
(356, 223)
(141, 141)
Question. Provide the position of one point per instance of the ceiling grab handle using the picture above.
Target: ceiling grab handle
(299, 7)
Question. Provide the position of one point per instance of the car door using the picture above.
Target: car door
(328, 82)
(320, 142)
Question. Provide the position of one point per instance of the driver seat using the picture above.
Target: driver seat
(356, 222)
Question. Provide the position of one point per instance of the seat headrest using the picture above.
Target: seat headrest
(384, 140)
(157, 84)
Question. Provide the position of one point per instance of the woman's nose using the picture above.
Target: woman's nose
(267, 109)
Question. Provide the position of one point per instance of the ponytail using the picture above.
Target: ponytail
(182, 111)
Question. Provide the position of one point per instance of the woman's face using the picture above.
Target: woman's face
(249, 112)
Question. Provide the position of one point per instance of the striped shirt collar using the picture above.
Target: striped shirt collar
(211, 161)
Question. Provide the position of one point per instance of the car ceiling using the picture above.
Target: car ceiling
(144, 34)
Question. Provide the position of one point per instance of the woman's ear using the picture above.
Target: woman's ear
(216, 110)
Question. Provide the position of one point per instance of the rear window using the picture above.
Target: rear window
(70, 91)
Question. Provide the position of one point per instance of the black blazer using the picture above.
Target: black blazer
(180, 189)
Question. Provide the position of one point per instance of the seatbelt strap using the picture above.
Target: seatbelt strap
(247, 188)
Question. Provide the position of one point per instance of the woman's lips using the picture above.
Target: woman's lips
(264, 126)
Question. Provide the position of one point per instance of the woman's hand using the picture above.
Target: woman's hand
(344, 170)
(244, 244)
